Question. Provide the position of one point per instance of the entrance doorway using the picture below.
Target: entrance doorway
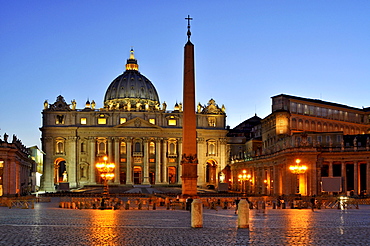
(172, 175)
(211, 172)
(59, 168)
(122, 178)
(137, 175)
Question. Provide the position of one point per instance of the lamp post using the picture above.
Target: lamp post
(298, 169)
(243, 178)
(106, 173)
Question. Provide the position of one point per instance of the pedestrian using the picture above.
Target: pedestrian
(237, 200)
(313, 202)
(189, 200)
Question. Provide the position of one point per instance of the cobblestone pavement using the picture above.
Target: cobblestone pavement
(49, 225)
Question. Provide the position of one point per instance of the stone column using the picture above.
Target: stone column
(129, 162)
(330, 169)
(71, 161)
(158, 173)
(48, 168)
(92, 142)
(164, 161)
(355, 177)
(202, 153)
(146, 180)
(344, 178)
(117, 160)
(179, 154)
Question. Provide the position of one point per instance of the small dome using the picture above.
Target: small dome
(131, 87)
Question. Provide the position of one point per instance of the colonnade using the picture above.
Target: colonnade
(354, 181)
(126, 160)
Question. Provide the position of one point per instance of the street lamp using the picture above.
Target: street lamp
(243, 178)
(298, 169)
(106, 173)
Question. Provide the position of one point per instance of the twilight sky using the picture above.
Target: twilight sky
(245, 51)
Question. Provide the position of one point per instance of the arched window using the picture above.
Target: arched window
(137, 147)
(172, 149)
(300, 125)
(60, 147)
(313, 126)
(152, 148)
(123, 148)
(306, 125)
(101, 148)
(319, 127)
(294, 124)
(211, 148)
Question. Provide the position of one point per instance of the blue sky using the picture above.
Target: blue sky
(246, 52)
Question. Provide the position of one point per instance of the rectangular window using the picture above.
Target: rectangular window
(306, 109)
(328, 139)
(102, 121)
(299, 108)
(172, 122)
(293, 107)
(152, 121)
(83, 121)
(122, 120)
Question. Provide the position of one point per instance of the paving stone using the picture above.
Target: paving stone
(49, 225)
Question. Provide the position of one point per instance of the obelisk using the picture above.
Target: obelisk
(189, 159)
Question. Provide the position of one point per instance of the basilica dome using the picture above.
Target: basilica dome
(131, 90)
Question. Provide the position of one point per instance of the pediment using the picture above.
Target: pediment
(138, 123)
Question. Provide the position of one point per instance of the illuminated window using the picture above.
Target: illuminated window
(123, 148)
(151, 160)
(152, 148)
(83, 121)
(172, 122)
(59, 147)
(59, 119)
(122, 120)
(152, 121)
(102, 121)
(172, 149)
(211, 148)
(212, 121)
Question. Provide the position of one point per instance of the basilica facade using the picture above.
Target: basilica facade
(135, 131)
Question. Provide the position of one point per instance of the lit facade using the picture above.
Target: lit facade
(330, 139)
(137, 133)
(16, 166)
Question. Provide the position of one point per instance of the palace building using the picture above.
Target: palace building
(304, 146)
(135, 131)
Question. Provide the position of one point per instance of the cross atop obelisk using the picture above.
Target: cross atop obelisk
(189, 32)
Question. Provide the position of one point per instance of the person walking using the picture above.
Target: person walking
(313, 202)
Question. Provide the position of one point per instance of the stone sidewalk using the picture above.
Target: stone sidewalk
(49, 225)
